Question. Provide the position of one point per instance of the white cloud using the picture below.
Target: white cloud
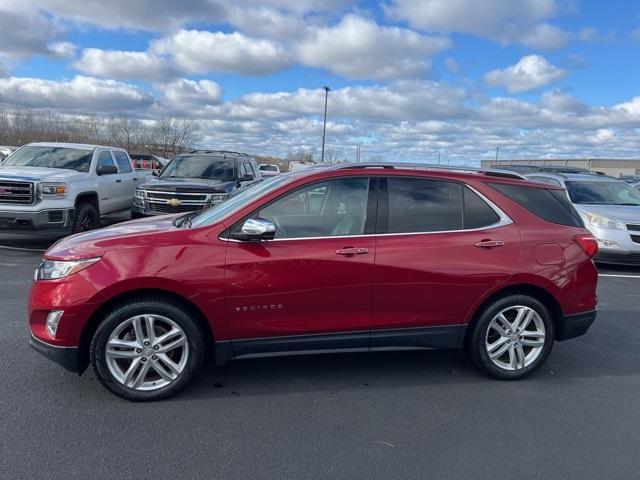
(79, 94)
(359, 48)
(544, 37)
(504, 21)
(452, 65)
(197, 51)
(62, 49)
(183, 94)
(124, 65)
(530, 73)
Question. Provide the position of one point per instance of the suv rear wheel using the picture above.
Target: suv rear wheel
(512, 338)
(147, 350)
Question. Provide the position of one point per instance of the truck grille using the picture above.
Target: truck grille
(168, 202)
(21, 193)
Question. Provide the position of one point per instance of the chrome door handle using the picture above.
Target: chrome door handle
(489, 243)
(348, 251)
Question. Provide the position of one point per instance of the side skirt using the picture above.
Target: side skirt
(442, 337)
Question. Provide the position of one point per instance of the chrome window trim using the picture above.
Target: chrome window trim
(504, 220)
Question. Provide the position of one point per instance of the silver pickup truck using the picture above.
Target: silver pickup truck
(63, 188)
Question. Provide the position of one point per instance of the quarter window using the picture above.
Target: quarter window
(332, 208)
(421, 205)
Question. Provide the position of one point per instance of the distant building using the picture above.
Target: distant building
(613, 167)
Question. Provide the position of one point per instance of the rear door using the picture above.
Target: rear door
(126, 180)
(440, 246)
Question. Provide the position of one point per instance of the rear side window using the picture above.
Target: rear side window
(550, 205)
(477, 213)
(421, 205)
(124, 166)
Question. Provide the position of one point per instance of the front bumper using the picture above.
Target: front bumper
(59, 220)
(618, 258)
(65, 356)
(575, 325)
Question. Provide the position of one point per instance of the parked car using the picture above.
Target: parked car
(64, 188)
(610, 208)
(362, 257)
(269, 170)
(5, 151)
(196, 181)
(146, 162)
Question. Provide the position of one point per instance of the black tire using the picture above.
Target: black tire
(86, 218)
(478, 350)
(165, 308)
(137, 215)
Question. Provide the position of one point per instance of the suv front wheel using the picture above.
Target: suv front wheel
(512, 338)
(147, 350)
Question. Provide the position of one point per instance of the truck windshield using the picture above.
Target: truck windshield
(602, 193)
(51, 157)
(235, 203)
(195, 166)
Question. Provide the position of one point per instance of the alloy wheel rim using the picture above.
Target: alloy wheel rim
(515, 338)
(147, 352)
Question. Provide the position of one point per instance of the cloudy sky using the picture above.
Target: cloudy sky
(410, 79)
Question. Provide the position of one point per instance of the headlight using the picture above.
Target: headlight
(54, 189)
(53, 269)
(140, 194)
(603, 222)
(219, 197)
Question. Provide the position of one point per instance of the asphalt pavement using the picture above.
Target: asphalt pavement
(409, 415)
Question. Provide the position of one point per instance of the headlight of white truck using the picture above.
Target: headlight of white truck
(53, 189)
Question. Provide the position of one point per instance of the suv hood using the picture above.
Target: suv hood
(190, 185)
(35, 174)
(95, 243)
(621, 213)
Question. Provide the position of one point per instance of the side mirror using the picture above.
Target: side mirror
(247, 178)
(155, 173)
(106, 170)
(255, 229)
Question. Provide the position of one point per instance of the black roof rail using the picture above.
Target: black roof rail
(220, 152)
(483, 171)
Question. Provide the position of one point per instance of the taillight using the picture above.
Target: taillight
(588, 243)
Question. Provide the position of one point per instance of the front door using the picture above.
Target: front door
(310, 287)
(440, 247)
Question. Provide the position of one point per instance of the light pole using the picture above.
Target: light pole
(438, 158)
(324, 125)
(497, 151)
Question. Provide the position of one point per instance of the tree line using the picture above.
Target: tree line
(165, 137)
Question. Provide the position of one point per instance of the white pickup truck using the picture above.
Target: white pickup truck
(62, 188)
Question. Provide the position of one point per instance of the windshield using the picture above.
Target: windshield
(193, 166)
(51, 157)
(235, 203)
(602, 193)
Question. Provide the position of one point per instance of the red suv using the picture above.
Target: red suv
(359, 257)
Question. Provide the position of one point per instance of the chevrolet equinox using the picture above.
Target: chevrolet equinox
(358, 257)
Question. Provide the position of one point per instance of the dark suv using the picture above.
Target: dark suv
(359, 257)
(195, 181)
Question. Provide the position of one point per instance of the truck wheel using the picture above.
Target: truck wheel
(86, 218)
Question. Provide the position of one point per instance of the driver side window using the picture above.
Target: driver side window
(326, 209)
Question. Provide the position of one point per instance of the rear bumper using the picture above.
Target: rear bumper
(65, 356)
(52, 220)
(575, 325)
